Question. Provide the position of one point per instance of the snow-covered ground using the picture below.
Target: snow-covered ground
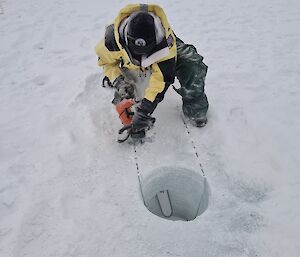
(67, 188)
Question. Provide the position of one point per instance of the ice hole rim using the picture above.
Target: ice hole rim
(176, 193)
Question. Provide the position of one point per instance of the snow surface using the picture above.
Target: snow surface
(68, 189)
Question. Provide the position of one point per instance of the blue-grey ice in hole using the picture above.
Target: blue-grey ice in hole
(175, 193)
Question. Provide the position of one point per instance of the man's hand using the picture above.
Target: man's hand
(137, 129)
(141, 121)
(124, 90)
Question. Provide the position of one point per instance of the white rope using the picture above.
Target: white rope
(138, 171)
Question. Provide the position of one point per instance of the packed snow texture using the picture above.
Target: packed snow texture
(67, 188)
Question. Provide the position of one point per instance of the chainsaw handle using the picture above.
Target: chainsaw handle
(122, 130)
(127, 127)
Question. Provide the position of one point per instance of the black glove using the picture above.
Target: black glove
(142, 118)
(141, 121)
(124, 90)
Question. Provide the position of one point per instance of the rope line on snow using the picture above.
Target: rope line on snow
(193, 143)
(200, 200)
(198, 158)
(138, 172)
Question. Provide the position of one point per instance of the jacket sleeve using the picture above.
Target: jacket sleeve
(163, 75)
(109, 55)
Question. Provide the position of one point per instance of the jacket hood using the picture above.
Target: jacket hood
(131, 8)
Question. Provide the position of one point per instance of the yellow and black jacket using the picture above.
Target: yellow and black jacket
(113, 54)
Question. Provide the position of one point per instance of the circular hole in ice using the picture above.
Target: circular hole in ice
(175, 193)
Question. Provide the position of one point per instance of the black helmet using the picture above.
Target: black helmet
(141, 37)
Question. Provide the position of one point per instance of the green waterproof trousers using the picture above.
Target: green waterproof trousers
(191, 73)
